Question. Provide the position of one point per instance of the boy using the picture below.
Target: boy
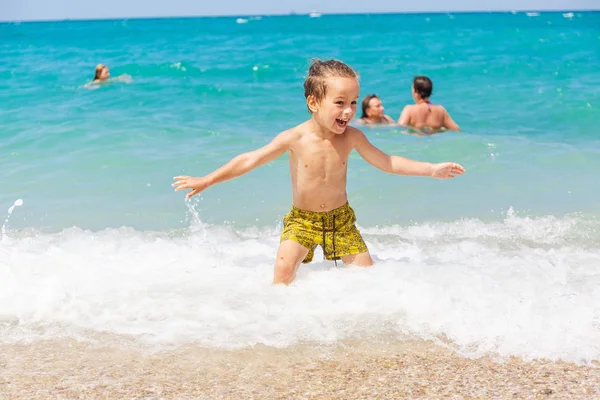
(318, 151)
(423, 115)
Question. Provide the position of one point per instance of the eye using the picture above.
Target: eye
(354, 103)
(339, 103)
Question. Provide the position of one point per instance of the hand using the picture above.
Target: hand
(187, 182)
(447, 170)
(124, 78)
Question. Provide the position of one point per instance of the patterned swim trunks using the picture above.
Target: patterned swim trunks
(335, 231)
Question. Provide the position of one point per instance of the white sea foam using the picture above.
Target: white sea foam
(526, 287)
(17, 203)
(178, 66)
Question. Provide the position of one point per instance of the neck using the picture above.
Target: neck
(425, 100)
(319, 131)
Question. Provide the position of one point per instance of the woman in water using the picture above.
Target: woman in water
(372, 112)
(102, 75)
(423, 115)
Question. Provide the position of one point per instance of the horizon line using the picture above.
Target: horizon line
(294, 14)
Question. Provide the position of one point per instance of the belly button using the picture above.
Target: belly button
(322, 205)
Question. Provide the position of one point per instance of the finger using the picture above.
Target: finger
(181, 187)
(192, 193)
(181, 178)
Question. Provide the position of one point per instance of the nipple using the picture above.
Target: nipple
(322, 205)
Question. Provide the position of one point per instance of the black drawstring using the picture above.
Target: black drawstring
(332, 238)
(334, 257)
(324, 248)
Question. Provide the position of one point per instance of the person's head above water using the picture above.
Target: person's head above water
(331, 90)
(102, 73)
(372, 107)
(421, 88)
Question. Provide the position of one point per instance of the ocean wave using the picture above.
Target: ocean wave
(524, 287)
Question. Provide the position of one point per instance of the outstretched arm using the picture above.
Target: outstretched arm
(403, 166)
(238, 166)
(449, 122)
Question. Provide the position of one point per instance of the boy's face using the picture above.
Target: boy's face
(338, 107)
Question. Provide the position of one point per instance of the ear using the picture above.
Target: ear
(312, 103)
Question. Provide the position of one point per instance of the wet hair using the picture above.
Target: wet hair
(423, 86)
(99, 69)
(365, 104)
(319, 71)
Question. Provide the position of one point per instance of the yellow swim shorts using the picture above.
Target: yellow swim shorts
(335, 231)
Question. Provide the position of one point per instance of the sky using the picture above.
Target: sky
(25, 10)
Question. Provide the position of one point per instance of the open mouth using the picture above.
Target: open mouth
(341, 122)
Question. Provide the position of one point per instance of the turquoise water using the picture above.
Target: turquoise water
(100, 221)
(524, 89)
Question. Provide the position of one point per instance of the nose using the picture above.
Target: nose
(348, 110)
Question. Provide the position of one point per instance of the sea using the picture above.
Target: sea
(96, 245)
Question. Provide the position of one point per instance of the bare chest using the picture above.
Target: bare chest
(323, 160)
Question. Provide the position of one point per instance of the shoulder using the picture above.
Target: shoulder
(405, 115)
(407, 109)
(354, 135)
(287, 136)
(440, 108)
(292, 135)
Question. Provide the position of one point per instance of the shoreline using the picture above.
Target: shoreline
(68, 369)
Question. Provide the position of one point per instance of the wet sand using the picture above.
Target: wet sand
(67, 369)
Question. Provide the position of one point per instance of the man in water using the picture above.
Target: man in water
(372, 112)
(318, 154)
(423, 115)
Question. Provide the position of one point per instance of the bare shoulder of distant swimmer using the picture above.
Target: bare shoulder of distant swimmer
(446, 120)
(405, 115)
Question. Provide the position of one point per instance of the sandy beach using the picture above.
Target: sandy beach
(68, 369)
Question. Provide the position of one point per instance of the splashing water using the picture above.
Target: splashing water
(17, 203)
